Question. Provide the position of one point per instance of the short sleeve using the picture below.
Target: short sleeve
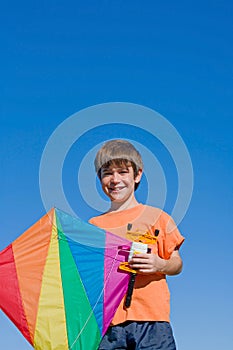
(170, 238)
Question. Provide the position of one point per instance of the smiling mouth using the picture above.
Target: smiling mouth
(116, 189)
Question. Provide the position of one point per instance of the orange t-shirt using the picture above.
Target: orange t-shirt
(151, 297)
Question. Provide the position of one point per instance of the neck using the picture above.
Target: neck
(118, 206)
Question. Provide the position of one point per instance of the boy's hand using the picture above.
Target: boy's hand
(151, 263)
(147, 263)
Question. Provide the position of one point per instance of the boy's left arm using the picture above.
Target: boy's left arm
(152, 263)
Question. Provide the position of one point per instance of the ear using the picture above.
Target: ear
(138, 176)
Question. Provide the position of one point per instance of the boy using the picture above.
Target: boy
(145, 324)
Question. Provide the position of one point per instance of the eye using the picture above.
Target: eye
(124, 171)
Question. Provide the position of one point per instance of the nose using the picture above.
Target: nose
(115, 177)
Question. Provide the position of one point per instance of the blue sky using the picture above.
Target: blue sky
(58, 58)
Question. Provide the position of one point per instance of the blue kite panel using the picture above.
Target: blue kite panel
(87, 245)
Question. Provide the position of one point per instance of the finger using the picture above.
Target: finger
(141, 266)
(145, 271)
(141, 255)
(139, 259)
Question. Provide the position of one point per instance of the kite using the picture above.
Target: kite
(60, 282)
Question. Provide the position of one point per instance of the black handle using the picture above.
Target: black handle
(156, 233)
(129, 293)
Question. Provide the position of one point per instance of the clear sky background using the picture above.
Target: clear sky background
(175, 57)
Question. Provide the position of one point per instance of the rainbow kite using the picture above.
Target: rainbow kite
(60, 283)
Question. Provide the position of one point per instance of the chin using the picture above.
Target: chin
(117, 200)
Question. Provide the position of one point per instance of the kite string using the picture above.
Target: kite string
(91, 313)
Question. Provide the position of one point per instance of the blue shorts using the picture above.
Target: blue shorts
(138, 336)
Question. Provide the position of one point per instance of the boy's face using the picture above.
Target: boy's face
(118, 182)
